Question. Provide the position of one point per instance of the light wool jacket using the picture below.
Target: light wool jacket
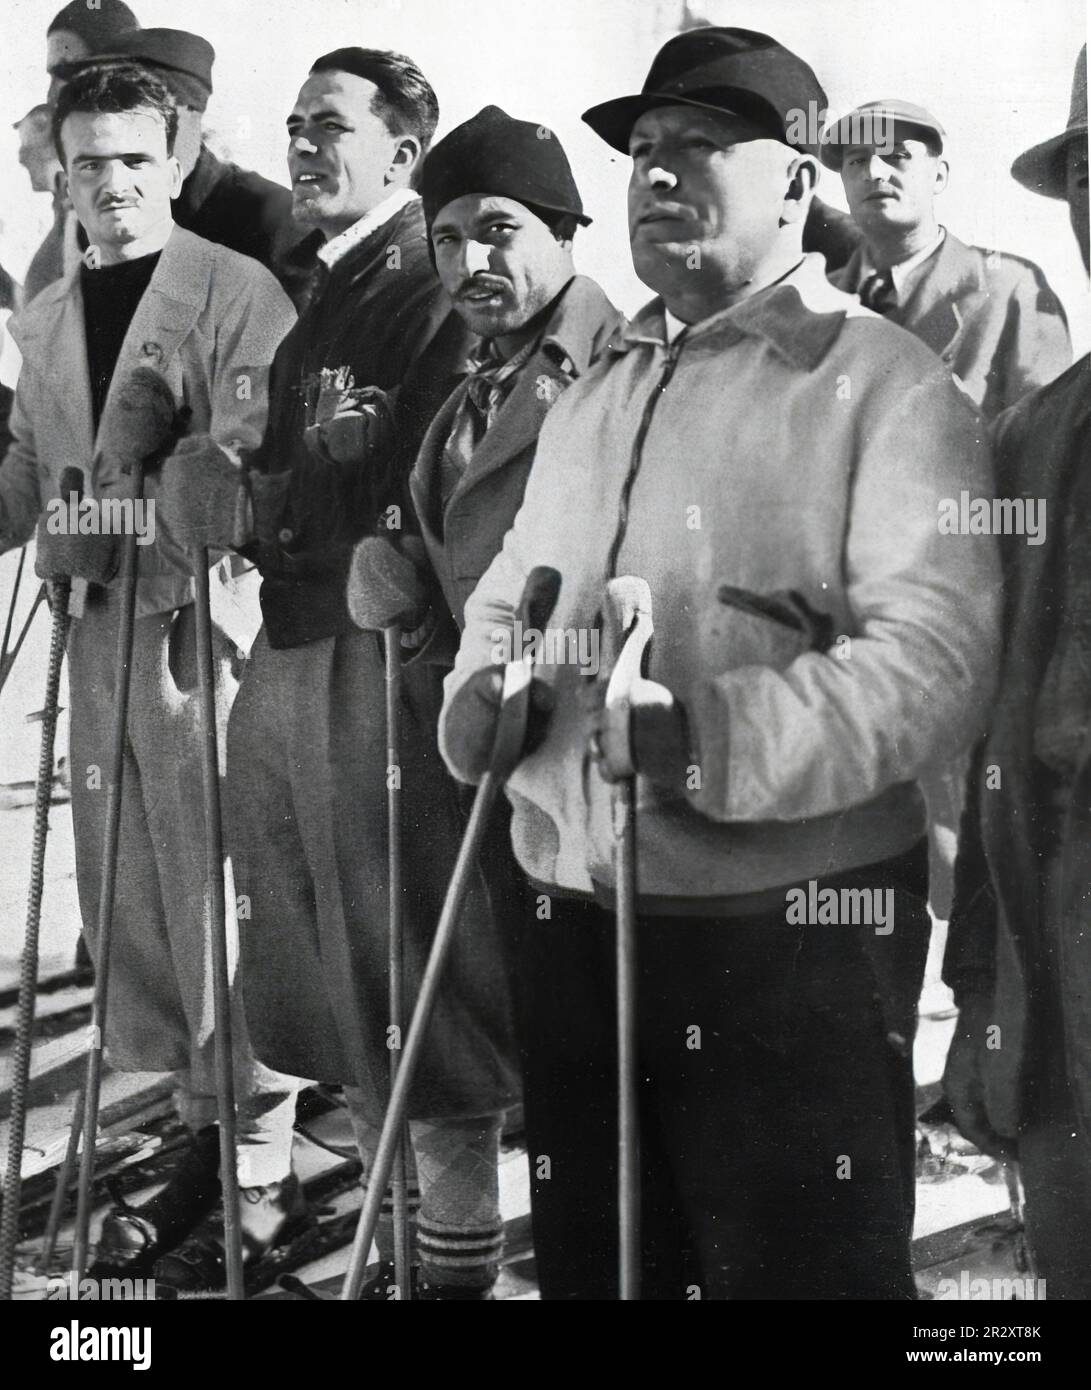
(209, 322)
(794, 441)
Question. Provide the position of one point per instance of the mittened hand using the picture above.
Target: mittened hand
(387, 584)
(200, 498)
(360, 431)
(471, 721)
(94, 558)
(143, 419)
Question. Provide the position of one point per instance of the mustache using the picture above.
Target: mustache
(480, 284)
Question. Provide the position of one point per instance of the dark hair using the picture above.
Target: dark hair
(562, 224)
(405, 102)
(115, 87)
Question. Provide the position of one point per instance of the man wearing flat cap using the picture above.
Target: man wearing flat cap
(801, 600)
(991, 316)
(1019, 1070)
(219, 201)
(353, 388)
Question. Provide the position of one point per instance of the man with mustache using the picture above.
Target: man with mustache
(207, 320)
(991, 316)
(1019, 1070)
(354, 386)
(218, 201)
(715, 453)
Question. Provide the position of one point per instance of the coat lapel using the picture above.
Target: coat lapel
(932, 313)
(61, 333)
(165, 316)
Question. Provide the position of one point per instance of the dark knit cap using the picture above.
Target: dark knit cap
(494, 153)
(94, 26)
(180, 59)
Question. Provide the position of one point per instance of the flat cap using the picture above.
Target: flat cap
(737, 71)
(494, 153)
(1043, 168)
(874, 124)
(182, 60)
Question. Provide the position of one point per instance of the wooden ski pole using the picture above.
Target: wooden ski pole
(538, 600)
(393, 672)
(628, 630)
(145, 406)
(215, 912)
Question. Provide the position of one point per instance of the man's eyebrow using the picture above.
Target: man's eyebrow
(318, 116)
(84, 155)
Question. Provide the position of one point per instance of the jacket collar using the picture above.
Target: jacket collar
(339, 246)
(931, 309)
(800, 315)
(175, 297)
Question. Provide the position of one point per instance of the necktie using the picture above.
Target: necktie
(877, 293)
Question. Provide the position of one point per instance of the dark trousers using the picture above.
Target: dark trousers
(776, 1113)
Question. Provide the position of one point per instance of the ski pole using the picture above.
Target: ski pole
(628, 630)
(535, 606)
(71, 481)
(215, 914)
(393, 672)
(147, 401)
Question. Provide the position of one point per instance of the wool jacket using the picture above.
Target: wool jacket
(209, 322)
(793, 441)
(996, 933)
(382, 314)
(992, 318)
(464, 535)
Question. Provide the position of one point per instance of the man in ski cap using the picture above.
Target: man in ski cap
(80, 29)
(991, 316)
(802, 599)
(1019, 1070)
(218, 201)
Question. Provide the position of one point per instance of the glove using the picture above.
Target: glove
(361, 430)
(201, 495)
(94, 558)
(68, 555)
(658, 732)
(963, 1081)
(470, 724)
(142, 422)
(386, 584)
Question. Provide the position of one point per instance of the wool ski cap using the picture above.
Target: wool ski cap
(1042, 168)
(737, 71)
(495, 153)
(874, 124)
(180, 59)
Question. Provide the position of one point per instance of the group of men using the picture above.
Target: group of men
(454, 406)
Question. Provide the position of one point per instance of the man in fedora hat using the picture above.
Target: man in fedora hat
(1019, 1070)
(991, 316)
(776, 766)
(219, 201)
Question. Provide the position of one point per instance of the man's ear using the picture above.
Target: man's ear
(802, 178)
(943, 170)
(175, 178)
(406, 156)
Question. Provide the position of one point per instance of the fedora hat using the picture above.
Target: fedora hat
(1042, 168)
(737, 71)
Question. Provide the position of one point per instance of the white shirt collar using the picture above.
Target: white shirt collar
(675, 326)
(345, 241)
(900, 273)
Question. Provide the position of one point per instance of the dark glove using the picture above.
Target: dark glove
(387, 584)
(142, 422)
(471, 719)
(659, 737)
(201, 495)
(359, 432)
(963, 1077)
(61, 554)
(94, 558)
